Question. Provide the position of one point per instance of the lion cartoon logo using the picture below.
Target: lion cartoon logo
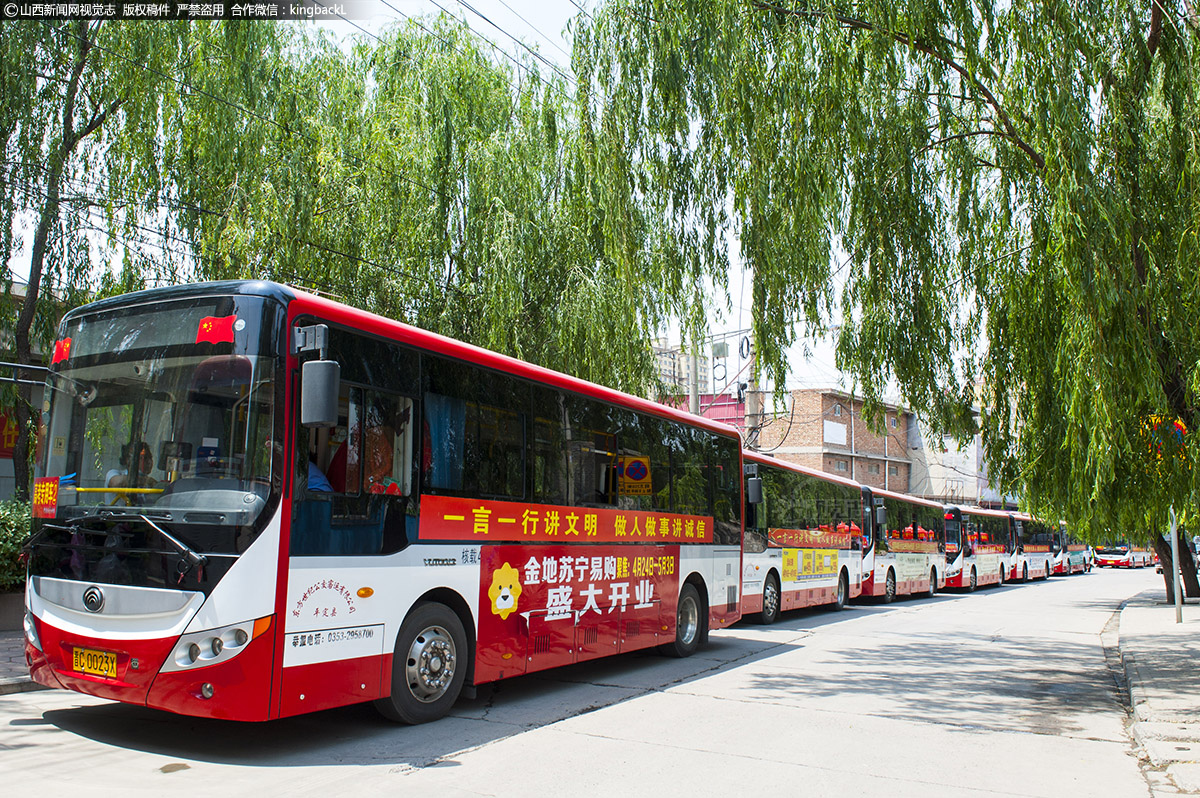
(505, 590)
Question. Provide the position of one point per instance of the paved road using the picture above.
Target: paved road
(1008, 691)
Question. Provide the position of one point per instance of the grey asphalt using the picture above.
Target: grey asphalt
(1160, 658)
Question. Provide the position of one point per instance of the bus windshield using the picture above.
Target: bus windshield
(166, 411)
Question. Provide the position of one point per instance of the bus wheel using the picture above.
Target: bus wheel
(1047, 576)
(932, 582)
(974, 581)
(1024, 572)
(428, 667)
(770, 610)
(688, 617)
(843, 591)
(889, 587)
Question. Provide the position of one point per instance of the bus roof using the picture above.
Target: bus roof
(981, 511)
(304, 302)
(906, 497)
(766, 459)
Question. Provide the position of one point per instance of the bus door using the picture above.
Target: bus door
(869, 537)
(954, 541)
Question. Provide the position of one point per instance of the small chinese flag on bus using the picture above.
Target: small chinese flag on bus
(62, 351)
(215, 330)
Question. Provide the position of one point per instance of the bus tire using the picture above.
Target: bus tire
(974, 581)
(771, 600)
(889, 587)
(932, 583)
(428, 667)
(1024, 572)
(690, 613)
(843, 591)
(1047, 574)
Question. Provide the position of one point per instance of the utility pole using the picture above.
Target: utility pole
(1176, 571)
(694, 382)
(753, 399)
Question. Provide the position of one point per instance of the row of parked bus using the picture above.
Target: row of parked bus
(251, 502)
(812, 538)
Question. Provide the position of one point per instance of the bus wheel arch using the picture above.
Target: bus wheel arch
(691, 619)
(431, 659)
(889, 587)
(842, 596)
(772, 596)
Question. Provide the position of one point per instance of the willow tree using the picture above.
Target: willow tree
(996, 204)
(79, 121)
(433, 181)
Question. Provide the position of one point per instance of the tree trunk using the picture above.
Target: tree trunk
(1191, 581)
(47, 217)
(1162, 547)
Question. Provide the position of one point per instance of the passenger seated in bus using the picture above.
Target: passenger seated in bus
(317, 481)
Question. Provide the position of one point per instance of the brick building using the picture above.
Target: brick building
(825, 429)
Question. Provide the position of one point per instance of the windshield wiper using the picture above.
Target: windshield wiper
(192, 558)
(189, 557)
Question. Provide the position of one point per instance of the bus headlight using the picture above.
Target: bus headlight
(31, 631)
(213, 646)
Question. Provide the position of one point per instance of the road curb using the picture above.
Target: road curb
(19, 685)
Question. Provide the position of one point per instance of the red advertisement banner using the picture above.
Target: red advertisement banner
(453, 518)
(8, 436)
(45, 497)
(813, 538)
(543, 606)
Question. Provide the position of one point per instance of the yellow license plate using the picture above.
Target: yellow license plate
(97, 663)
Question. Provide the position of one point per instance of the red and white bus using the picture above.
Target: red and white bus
(251, 503)
(1123, 555)
(803, 540)
(1037, 550)
(1076, 556)
(904, 554)
(979, 547)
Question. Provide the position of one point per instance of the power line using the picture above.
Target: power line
(535, 29)
(412, 279)
(516, 41)
(235, 106)
(522, 67)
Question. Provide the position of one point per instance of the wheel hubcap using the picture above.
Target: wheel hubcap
(771, 600)
(687, 620)
(430, 664)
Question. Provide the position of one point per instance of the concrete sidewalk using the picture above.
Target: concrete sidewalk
(1162, 667)
(14, 672)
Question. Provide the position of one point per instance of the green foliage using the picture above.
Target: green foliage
(996, 204)
(15, 517)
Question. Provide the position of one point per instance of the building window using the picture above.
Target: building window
(837, 410)
(893, 471)
(873, 468)
(893, 422)
(841, 465)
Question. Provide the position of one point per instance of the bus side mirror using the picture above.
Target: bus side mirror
(754, 493)
(320, 381)
(881, 516)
